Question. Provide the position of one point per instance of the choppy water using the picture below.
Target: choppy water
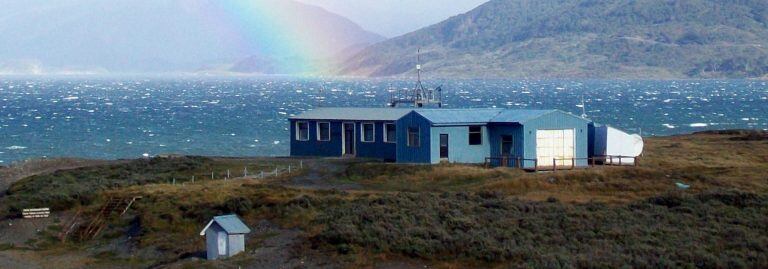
(127, 118)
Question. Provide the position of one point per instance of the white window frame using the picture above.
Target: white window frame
(362, 132)
(409, 142)
(386, 130)
(298, 131)
(318, 131)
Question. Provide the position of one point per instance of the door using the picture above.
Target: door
(506, 145)
(555, 147)
(222, 243)
(348, 147)
(443, 146)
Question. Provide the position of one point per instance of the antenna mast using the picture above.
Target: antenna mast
(419, 95)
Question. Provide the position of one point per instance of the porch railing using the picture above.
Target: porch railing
(559, 163)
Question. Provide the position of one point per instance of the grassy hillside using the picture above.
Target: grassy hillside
(450, 216)
(585, 39)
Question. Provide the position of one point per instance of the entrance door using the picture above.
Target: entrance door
(222, 243)
(443, 146)
(348, 147)
(506, 145)
(555, 144)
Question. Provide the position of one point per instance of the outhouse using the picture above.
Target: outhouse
(224, 236)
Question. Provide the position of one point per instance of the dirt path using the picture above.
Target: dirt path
(322, 174)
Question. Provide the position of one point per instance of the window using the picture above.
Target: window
(413, 137)
(390, 133)
(324, 131)
(302, 130)
(475, 135)
(368, 131)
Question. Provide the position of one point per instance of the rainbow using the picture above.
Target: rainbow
(269, 28)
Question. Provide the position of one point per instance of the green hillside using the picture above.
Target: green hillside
(584, 39)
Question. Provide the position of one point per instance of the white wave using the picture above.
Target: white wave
(698, 125)
(15, 148)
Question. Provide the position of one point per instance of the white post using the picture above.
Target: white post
(289, 169)
(301, 164)
(193, 179)
(262, 174)
(211, 175)
(245, 171)
(275, 170)
(174, 181)
(227, 173)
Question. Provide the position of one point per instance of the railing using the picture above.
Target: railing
(559, 163)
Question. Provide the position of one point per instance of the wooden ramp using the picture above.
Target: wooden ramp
(114, 206)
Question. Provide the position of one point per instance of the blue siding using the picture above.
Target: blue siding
(406, 154)
(553, 121)
(496, 130)
(459, 149)
(313, 147)
(378, 149)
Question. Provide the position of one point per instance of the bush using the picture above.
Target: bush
(497, 229)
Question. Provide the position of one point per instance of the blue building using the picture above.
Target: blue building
(524, 138)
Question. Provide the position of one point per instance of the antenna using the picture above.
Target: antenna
(419, 95)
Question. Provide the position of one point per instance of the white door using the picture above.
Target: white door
(222, 242)
(555, 144)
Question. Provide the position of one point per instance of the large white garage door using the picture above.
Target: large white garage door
(555, 144)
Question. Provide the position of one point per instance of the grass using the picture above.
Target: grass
(708, 230)
(65, 189)
(460, 215)
(698, 160)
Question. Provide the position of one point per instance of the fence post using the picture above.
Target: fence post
(289, 169)
(262, 174)
(227, 173)
(554, 165)
(245, 171)
(301, 164)
(193, 179)
(276, 171)
(174, 181)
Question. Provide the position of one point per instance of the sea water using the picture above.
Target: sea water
(111, 118)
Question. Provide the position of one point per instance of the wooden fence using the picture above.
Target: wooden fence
(559, 163)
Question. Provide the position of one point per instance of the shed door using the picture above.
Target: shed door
(222, 243)
(555, 144)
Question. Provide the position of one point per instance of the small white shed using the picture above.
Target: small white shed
(609, 141)
(224, 236)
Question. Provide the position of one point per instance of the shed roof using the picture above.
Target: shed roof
(353, 113)
(230, 223)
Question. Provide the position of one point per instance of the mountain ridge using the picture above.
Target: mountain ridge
(583, 39)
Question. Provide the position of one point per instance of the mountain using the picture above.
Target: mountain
(583, 39)
(141, 36)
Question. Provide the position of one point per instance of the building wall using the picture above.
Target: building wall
(406, 154)
(553, 121)
(236, 244)
(459, 149)
(211, 241)
(496, 130)
(315, 148)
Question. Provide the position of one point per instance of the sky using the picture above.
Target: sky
(392, 18)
